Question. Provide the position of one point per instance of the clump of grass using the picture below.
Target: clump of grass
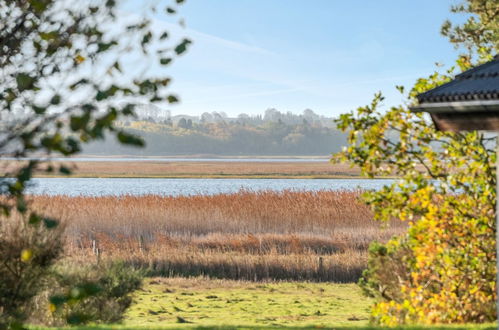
(300, 235)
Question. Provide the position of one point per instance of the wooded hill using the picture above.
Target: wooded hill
(273, 134)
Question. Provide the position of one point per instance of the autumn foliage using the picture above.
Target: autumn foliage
(443, 269)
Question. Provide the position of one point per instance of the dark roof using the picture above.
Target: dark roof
(479, 83)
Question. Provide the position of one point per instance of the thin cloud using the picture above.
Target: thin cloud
(234, 45)
(244, 95)
(198, 36)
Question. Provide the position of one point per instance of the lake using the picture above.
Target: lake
(179, 159)
(184, 187)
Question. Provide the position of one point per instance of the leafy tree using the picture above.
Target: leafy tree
(479, 34)
(65, 80)
(443, 269)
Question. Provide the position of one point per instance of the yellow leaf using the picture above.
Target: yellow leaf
(26, 255)
(79, 59)
(52, 308)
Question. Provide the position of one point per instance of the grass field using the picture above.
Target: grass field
(211, 169)
(181, 303)
(170, 302)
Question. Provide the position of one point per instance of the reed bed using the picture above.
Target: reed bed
(174, 168)
(318, 236)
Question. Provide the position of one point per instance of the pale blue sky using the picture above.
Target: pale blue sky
(326, 55)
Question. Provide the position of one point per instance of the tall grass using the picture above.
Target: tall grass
(321, 236)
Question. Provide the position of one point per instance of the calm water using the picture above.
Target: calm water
(138, 159)
(178, 187)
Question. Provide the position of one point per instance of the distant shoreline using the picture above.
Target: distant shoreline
(211, 169)
(201, 157)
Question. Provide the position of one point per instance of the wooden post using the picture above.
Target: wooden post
(141, 243)
(97, 253)
(321, 266)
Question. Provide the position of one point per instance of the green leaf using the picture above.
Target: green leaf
(21, 205)
(101, 95)
(182, 47)
(78, 122)
(39, 6)
(76, 318)
(165, 61)
(58, 300)
(64, 170)
(56, 99)
(79, 82)
(117, 66)
(170, 10)
(89, 288)
(146, 38)
(49, 35)
(130, 139)
(38, 110)
(128, 109)
(50, 223)
(73, 144)
(34, 219)
(172, 99)
(24, 81)
(104, 46)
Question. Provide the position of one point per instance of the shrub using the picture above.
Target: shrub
(27, 253)
(88, 293)
(450, 270)
(387, 270)
(448, 255)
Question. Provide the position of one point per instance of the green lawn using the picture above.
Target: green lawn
(202, 303)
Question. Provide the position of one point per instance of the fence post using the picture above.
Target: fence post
(98, 253)
(321, 267)
(141, 243)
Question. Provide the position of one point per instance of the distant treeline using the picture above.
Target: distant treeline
(274, 133)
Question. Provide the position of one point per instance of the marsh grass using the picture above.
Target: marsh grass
(318, 236)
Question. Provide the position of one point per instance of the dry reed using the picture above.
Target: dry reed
(320, 236)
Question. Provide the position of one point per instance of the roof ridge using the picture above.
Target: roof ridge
(480, 82)
(481, 67)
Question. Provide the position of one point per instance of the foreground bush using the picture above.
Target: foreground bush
(27, 253)
(36, 285)
(86, 293)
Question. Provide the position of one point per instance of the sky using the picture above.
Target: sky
(330, 56)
